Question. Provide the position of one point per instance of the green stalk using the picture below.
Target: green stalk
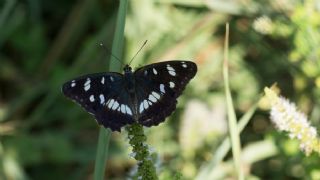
(117, 48)
(102, 152)
(232, 120)
(5, 11)
(117, 45)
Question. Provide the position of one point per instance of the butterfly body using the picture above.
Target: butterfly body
(147, 95)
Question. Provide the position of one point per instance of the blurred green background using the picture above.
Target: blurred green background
(43, 135)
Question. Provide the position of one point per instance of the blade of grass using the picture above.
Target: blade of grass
(102, 152)
(5, 11)
(2, 176)
(6, 16)
(104, 135)
(222, 151)
(225, 146)
(252, 153)
(117, 46)
(232, 120)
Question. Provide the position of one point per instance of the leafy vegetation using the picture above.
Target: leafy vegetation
(45, 136)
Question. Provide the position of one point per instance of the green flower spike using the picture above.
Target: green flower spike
(140, 151)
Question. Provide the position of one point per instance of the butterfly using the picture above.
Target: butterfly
(147, 96)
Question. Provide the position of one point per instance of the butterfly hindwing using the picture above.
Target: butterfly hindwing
(100, 94)
(117, 111)
(158, 87)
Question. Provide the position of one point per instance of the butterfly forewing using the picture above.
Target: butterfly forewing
(158, 86)
(102, 95)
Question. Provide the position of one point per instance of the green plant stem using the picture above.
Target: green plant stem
(104, 135)
(232, 120)
(137, 140)
(102, 151)
(117, 45)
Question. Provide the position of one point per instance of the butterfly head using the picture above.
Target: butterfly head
(127, 69)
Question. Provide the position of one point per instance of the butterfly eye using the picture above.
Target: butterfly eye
(127, 69)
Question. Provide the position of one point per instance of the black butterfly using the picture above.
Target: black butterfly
(147, 95)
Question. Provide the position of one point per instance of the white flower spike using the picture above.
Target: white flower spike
(286, 117)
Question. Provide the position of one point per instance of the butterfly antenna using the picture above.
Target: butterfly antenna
(145, 42)
(103, 46)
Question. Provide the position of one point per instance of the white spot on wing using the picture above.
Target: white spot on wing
(87, 84)
(87, 87)
(110, 103)
(101, 98)
(107, 102)
(115, 105)
(145, 73)
(154, 71)
(156, 95)
(141, 108)
(73, 84)
(111, 78)
(162, 88)
(184, 65)
(102, 80)
(128, 110)
(91, 98)
(171, 84)
(172, 73)
(152, 98)
(150, 103)
(170, 68)
(123, 108)
(145, 104)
